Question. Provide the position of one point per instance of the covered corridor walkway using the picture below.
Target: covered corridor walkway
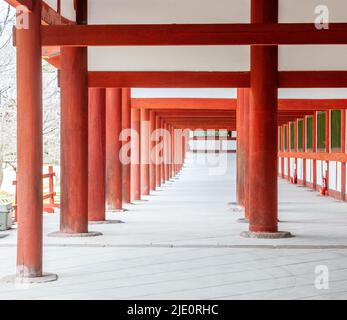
(184, 243)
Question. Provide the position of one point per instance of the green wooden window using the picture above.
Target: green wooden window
(292, 136)
(300, 134)
(336, 129)
(286, 138)
(321, 122)
(309, 133)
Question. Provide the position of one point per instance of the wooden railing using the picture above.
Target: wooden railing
(47, 207)
(335, 187)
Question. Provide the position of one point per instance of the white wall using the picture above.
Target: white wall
(304, 10)
(300, 169)
(68, 10)
(52, 3)
(169, 58)
(168, 11)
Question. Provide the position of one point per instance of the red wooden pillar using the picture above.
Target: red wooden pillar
(343, 150)
(158, 154)
(29, 151)
(283, 149)
(74, 141)
(288, 148)
(172, 153)
(327, 144)
(240, 171)
(304, 141)
(314, 138)
(262, 202)
(74, 138)
(135, 156)
(295, 148)
(166, 152)
(126, 125)
(163, 151)
(246, 141)
(152, 167)
(114, 186)
(145, 129)
(96, 158)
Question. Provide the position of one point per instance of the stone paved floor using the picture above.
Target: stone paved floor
(183, 243)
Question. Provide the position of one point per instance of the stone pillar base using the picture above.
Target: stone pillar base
(74, 235)
(47, 277)
(266, 235)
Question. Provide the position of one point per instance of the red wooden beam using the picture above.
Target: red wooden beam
(223, 105)
(312, 104)
(323, 156)
(313, 79)
(187, 79)
(179, 79)
(193, 34)
(16, 3)
(184, 103)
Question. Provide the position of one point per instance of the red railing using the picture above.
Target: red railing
(47, 207)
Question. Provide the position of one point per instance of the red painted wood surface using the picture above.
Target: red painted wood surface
(262, 202)
(16, 3)
(126, 125)
(74, 153)
(184, 103)
(29, 147)
(240, 157)
(322, 156)
(152, 168)
(187, 79)
(193, 34)
(313, 79)
(162, 79)
(135, 156)
(50, 195)
(157, 157)
(114, 185)
(96, 154)
(219, 106)
(144, 151)
(162, 153)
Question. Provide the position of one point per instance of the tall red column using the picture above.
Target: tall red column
(29, 151)
(343, 150)
(96, 158)
(283, 149)
(304, 129)
(262, 202)
(145, 127)
(162, 164)
(172, 151)
(167, 152)
(74, 141)
(327, 145)
(113, 146)
(152, 167)
(126, 125)
(135, 156)
(158, 154)
(74, 138)
(314, 149)
(240, 171)
(246, 142)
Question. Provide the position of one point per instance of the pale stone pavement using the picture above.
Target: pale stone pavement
(184, 243)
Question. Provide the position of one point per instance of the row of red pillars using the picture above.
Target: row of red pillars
(93, 179)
